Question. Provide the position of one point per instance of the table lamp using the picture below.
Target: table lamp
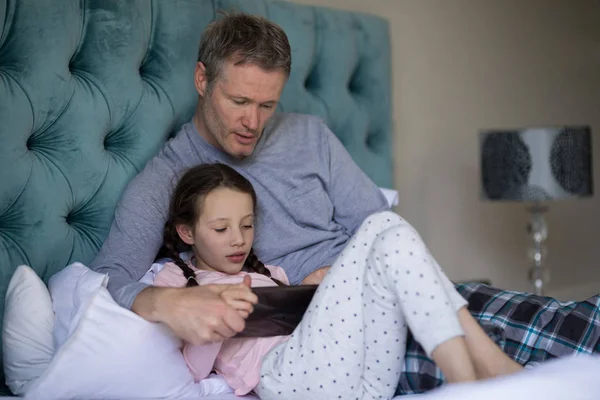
(536, 165)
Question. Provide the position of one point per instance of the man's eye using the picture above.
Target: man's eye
(239, 102)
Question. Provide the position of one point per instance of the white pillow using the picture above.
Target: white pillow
(70, 292)
(27, 330)
(390, 195)
(110, 351)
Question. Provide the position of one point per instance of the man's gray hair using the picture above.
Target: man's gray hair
(244, 39)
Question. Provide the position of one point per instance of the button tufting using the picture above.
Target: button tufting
(106, 142)
(73, 220)
(312, 80)
(355, 82)
(142, 70)
(354, 87)
(373, 140)
(110, 143)
(29, 142)
(357, 26)
(71, 66)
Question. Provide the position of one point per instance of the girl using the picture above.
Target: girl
(351, 341)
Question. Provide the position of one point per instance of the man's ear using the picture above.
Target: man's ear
(185, 233)
(200, 78)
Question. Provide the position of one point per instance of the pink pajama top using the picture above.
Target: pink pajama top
(238, 361)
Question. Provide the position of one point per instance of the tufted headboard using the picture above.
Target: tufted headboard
(90, 90)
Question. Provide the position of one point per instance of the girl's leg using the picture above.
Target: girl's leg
(427, 298)
(352, 339)
(489, 359)
(325, 356)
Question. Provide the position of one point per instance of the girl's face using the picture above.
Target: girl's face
(223, 235)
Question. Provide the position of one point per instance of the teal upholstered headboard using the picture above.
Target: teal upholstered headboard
(91, 89)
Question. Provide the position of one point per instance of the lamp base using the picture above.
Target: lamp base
(537, 227)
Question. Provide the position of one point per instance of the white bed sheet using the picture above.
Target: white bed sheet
(229, 396)
(569, 378)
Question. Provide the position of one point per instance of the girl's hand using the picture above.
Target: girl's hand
(198, 314)
(240, 297)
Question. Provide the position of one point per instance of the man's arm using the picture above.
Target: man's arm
(136, 233)
(353, 194)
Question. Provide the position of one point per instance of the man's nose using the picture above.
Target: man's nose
(251, 118)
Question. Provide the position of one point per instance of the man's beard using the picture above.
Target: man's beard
(215, 128)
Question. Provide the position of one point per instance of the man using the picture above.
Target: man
(312, 196)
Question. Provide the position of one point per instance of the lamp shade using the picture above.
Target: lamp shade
(536, 164)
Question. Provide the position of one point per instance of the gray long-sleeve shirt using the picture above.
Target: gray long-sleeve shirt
(311, 199)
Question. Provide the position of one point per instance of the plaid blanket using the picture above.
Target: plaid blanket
(529, 328)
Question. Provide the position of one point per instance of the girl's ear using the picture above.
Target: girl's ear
(185, 233)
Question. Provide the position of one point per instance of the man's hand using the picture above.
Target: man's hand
(315, 277)
(198, 314)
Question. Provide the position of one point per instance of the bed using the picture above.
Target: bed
(90, 90)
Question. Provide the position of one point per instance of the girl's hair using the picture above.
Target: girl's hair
(185, 208)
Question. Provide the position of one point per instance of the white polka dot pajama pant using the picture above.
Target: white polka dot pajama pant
(352, 339)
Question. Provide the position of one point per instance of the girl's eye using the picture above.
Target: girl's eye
(220, 230)
(248, 226)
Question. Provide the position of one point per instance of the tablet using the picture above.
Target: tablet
(278, 311)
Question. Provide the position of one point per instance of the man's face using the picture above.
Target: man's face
(232, 116)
